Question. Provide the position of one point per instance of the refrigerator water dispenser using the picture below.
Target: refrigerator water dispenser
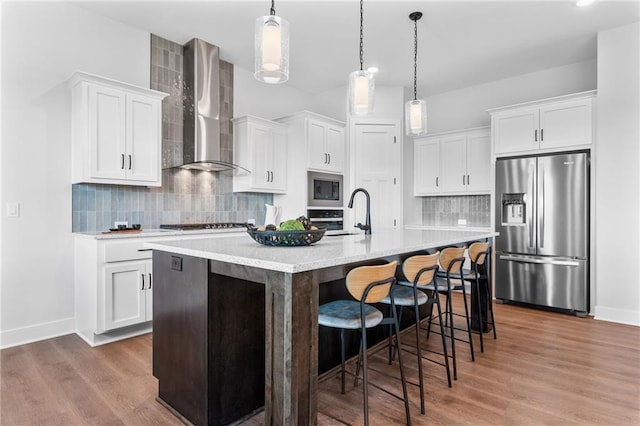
(513, 209)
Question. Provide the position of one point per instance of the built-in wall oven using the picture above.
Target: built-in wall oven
(332, 218)
(325, 190)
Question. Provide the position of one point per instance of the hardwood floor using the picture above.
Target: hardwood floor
(545, 368)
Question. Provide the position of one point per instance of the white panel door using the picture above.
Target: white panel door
(426, 166)
(516, 131)
(143, 149)
(335, 147)
(317, 154)
(262, 156)
(566, 124)
(124, 295)
(278, 157)
(453, 164)
(107, 132)
(378, 169)
(479, 162)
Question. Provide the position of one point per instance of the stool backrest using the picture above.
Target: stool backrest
(414, 264)
(449, 259)
(358, 279)
(478, 252)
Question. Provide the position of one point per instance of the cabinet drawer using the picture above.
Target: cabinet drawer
(130, 250)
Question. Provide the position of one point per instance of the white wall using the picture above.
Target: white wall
(252, 97)
(42, 44)
(466, 108)
(617, 176)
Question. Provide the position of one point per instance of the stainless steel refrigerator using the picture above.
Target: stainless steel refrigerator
(542, 215)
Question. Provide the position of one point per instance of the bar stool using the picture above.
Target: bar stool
(452, 262)
(367, 284)
(479, 253)
(420, 270)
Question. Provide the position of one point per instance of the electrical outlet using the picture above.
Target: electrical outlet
(122, 222)
(462, 222)
(13, 209)
(176, 263)
(251, 221)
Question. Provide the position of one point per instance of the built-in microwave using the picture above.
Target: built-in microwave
(325, 190)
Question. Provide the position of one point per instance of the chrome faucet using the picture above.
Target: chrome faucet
(367, 226)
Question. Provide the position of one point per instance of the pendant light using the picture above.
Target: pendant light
(415, 111)
(361, 83)
(272, 48)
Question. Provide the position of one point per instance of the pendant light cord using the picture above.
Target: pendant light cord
(273, 8)
(361, 37)
(415, 59)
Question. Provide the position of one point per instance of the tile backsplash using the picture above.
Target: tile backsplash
(445, 211)
(186, 196)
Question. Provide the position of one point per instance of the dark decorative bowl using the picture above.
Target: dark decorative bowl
(287, 238)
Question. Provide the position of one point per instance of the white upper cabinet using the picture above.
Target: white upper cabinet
(116, 132)
(323, 137)
(260, 146)
(453, 163)
(548, 125)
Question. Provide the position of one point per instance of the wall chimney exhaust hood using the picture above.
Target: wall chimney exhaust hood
(204, 148)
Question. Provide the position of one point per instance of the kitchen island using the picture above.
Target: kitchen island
(236, 323)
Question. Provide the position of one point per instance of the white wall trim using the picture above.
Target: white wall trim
(33, 333)
(622, 316)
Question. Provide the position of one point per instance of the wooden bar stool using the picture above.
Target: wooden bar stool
(479, 253)
(452, 262)
(367, 284)
(420, 270)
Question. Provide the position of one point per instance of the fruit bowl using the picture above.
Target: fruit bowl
(287, 238)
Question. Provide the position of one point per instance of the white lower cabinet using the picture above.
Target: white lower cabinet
(113, 280)
(128, 294)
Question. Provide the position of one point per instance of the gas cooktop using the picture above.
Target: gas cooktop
(195, 226)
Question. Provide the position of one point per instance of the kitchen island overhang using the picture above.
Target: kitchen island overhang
(270, 299)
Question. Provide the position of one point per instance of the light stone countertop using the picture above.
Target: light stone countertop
(450, 227)
(329, 251)
(156, 233)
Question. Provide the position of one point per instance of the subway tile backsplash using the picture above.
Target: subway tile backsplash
(445, 211)
(186, 196)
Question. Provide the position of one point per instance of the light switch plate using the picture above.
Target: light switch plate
(462, 222)
(13, 209)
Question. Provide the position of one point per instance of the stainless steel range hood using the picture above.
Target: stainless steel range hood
(203, 146)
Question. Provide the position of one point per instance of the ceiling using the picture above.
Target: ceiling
(460, 43)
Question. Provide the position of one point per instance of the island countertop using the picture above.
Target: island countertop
(330, 251)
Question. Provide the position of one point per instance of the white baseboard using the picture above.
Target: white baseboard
(623, 316)
(33, 333)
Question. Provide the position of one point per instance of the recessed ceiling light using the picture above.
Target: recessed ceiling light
(583, 3)
(373, 69)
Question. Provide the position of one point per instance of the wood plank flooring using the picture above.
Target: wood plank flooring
(545, 368)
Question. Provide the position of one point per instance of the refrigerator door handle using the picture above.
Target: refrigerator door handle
(541, 211)
(530, 205)
(541, 261)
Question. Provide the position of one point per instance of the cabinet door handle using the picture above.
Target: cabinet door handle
(129, 161)
(267, 175)
(463, 178)
(142, 275)
(122, 162)
(541, 135)
(272, 176)
(329, 155)
(535, 135)
(150, 280)
(436, 181)
(325, 158)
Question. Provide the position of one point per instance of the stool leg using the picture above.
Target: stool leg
(419, 351)
(358, 361)
(480, 322)
(490, 305)
(402, 377)
(342, 356)
(444, 342)
(365, 379)
(468, 319)
(449, 315)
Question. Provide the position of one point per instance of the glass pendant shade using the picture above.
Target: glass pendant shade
(272, 49)
(415, 115)
(361, 92)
